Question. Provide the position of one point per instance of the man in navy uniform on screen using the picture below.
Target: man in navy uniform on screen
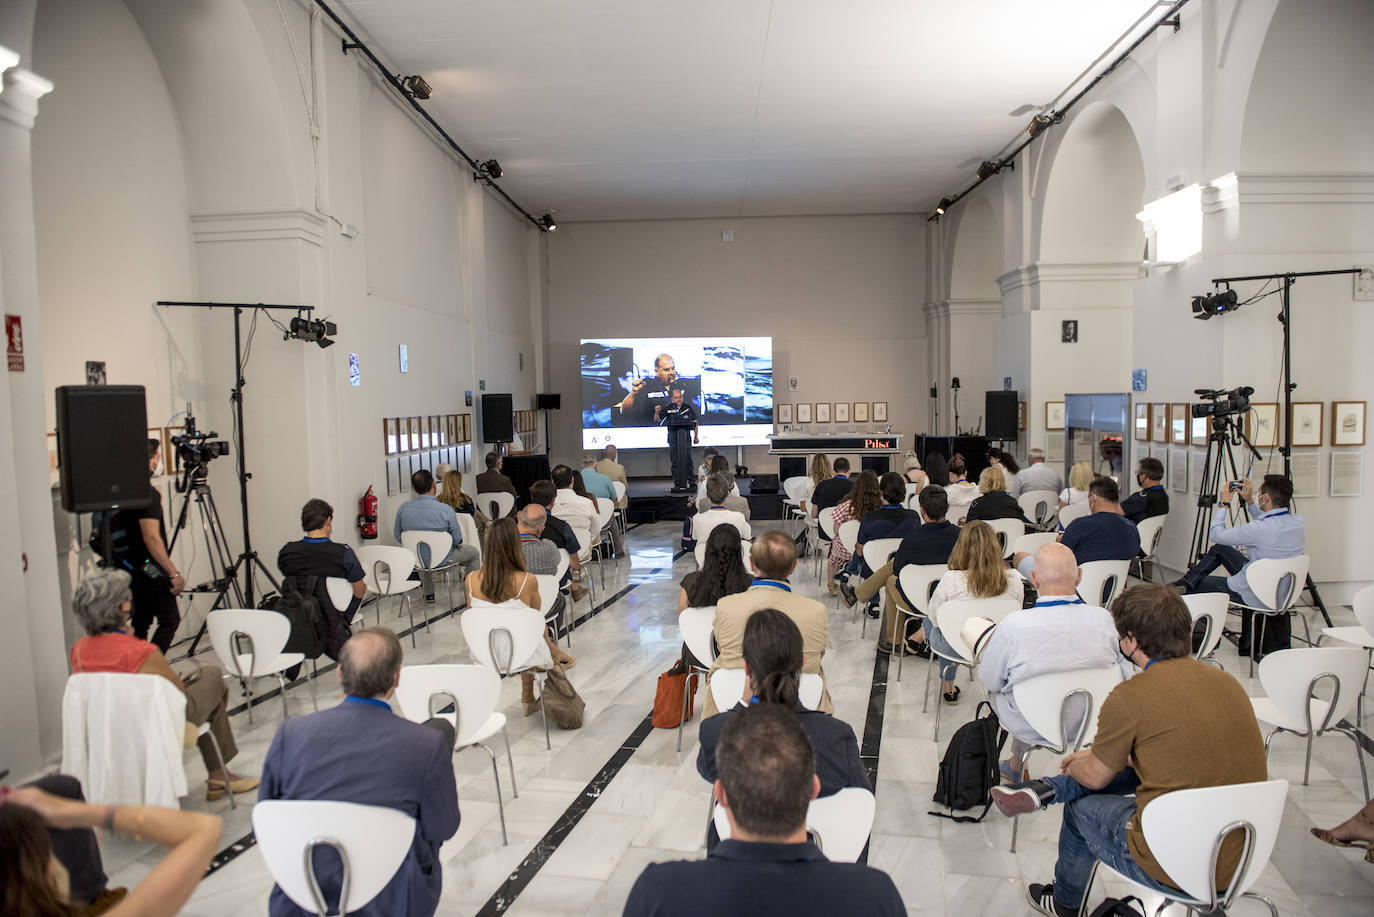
(655, 391)
(681, 419)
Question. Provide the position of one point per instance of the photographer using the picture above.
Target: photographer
(1274, 531)
(155, 579)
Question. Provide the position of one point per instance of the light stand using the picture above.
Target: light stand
(935, 409)
(954, 387)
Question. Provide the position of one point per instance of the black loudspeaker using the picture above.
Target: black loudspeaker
(878, 464)
(498, 419)
(102, 447)
(1000, 411)
(791, 466)
(548, 401)
(763, 484)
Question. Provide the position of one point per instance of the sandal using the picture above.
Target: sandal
(951, 697)
(214, 789)
(1326, 836)
(916, 647)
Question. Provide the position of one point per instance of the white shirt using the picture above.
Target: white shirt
(1069, 496)
(954, 585)
(1038, 476)
(703, 523)
(578, 512)
(960, 496)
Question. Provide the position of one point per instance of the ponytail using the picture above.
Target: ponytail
(773, 652)
(780, 688)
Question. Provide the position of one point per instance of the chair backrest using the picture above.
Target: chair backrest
(1008, 530)
(840, 823)
(372, 841)
(564, 559)
(796, 487)
(1072, 512)
(503, 637)
(849, 534)
(699, 552)
(1033, 542)
(810, 687)
(951, 616)
(267, 633)
(1103, 581)
(548, 592)
(1183, 829)
(1289, 675)
(727, 687)
(1363, 604)
(1278, 581)
(386, 567)
(495, 503)
(475, 691)
(340, 592)
(1210, 606)
(1040, 506)
(436, 546)
(918, 581)
(468, 525)
(1151, 530)
(1041, 700)
(619, 490)
(605, 511)
(879, 551)
(696, 625)
(825, 518)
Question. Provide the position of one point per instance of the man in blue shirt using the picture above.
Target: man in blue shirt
(766, 779)
(424, 513)
(1103, 534)
(602, 488)
(1274, 531)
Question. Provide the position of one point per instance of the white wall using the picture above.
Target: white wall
(840, 295)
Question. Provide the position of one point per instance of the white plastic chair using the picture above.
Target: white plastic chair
(1361, 635)
(619, 487)
(1211, 607)
(386, 570)
(699, 552)
(1040, 506)
(727, 687)
(1029, 544)
(1151, 531)
(508, 638)
(474, 691)
(468, 525)
(548, 595)
(825, 526)
(879, 551)
(1283, 578)
(265, 632)
(605, 514)
(950, 618)
(437, 546)
(372, 842)
(1184, 830)
(794, 491)
(697, 626)
(1042, 700)
(497, 504)
(917, 582)
(1072, 513)
(848, 534)
(340, 592)
(1008, 530)
(839, 824)
(1291, 678)
(1103, 581)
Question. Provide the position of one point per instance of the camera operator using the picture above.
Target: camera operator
(1274, 531)
(155, 579)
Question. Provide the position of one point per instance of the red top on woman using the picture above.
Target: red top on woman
(112, 652)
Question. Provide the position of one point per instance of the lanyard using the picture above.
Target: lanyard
(775, 583)
(1148, 664)
(368, 700)
(1276, 512)
(1058, 602)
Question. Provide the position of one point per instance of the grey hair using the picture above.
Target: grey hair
(98, 598)
(1035, 455)
(588, 460)
(367, 669)
(718, 486)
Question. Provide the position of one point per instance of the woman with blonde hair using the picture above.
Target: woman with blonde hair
(1080, 479)
(451, 493)
(976, 571)
(503, 579)
(819, 471)
(995, 502)
(911, 467)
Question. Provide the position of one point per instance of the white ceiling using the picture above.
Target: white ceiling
(653, 109)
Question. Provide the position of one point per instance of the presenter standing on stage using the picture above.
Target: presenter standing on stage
(679, 417)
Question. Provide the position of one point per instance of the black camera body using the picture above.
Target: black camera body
(196, 449)
(1223, 402)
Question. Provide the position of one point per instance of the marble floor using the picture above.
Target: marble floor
(654, 806)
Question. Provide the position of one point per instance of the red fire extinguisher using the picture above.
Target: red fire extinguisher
(367, 514)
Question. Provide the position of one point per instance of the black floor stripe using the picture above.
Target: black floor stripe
(529, 867)
(230, 853)
(871, 746)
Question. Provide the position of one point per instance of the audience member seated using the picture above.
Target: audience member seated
(716, 512)
(767, 779)
(503, 580)
(36, 867)
(541, 557)
(719, 464)
(1177, 727)
(493, 481)
(704, 468)
(930, 543)
(830, 491)
(451, 494)
(424, 513)
(102, 603)
(612, 469)
(1036, 475)
(597, 484)
(774, 558)
(560, 534)
(722, 573)
(1355, 831)
(333, 754)
(1273, 531)
(960, 489)
(819, 472)
(976, 571)
(863, 498)
(576, 510)
(1152, 499)
(911, 470)
(1080, 479)
(1058, 634)
(599, 504)
(1103, 534)
(891, 520)
(318, 557)
(1004, 460)
(995, 502)
(937, 469)
(772, 666)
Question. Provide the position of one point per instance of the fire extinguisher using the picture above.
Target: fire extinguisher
(367, 514)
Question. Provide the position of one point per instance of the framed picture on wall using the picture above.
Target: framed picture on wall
(1142, 421)
(1054, 415)
(1020, 415)
(861, 412)
(1201, 429)
(822, 412)
(389, 440)
(1178, 470)
(1347, 423)
(1305, 422)
(803, 412)
(1159, 423)
(785, 412)
(1178, 425)
(1262, 424)
(880, 411)
(841, 412)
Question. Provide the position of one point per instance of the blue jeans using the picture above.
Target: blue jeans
(1199, 578)
(939, 644)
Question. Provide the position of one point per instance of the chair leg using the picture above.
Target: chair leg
(247, 698)
(1273, 911)
(1083, 909)
(938, 708)
(683, 718)
(281, 682)
(925, 696)
(314, 673)
(514, 790)
(500, 805)
(224, 769)
(544, 715)
(411, 611)
(1359, 756)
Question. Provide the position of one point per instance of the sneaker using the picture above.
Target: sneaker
(1022, 798)
(847, 593)
(873, 612)
(1181, 586)
(1041, 897)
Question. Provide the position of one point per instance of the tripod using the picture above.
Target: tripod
(1226, 434)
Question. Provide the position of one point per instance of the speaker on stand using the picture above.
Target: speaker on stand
(547, 401)
(498, 418)
(102, 447)
(1001, 410)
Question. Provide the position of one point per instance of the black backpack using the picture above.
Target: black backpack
(298, 603)
(969, 769)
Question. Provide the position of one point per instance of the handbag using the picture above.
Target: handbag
(562, 703)
(668, 697)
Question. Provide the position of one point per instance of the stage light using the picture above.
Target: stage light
(988, 169)
(317, 331)
(490, 169)
(1038, 124)
(417, 87)
(548, 223)
(944, 205)
(1204, 307)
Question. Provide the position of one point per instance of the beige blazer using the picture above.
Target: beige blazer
(616, 472)
(734, 610)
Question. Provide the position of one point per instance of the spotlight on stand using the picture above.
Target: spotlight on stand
(489, 170)
(417, 87)
(1204, 307)
(548, 223)
(318, 331)
(1038, 124)
(990, 168)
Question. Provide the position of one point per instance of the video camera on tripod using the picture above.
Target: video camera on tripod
(195, 450)
(1224, 402)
